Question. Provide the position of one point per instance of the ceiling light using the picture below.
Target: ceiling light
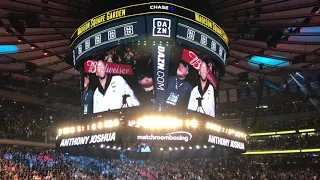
(33, 47)
(8, 31)
(315, 10)
(20, 40)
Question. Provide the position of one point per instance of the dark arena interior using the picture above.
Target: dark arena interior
(159, 90)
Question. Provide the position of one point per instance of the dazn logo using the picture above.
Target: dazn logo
(161, 27)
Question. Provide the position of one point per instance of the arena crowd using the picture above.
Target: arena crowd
(271, 110)
(47, 164)
(36, 123)
(285, 142)
(25, 121)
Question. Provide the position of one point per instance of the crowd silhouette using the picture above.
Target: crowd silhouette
(36, 123)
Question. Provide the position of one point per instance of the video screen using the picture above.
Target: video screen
(143, 147)
(129, 76)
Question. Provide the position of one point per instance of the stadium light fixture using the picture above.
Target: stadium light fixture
(20, 40)
(114, 147)
(161, 149)
(129, 148)
(105, 124)
(310, 150)
(190, 147)
(198, 147)
(33, 47)
(182, 148)
(119, 148)
(99, 125)
(194, 123)
(102, 146)
(176, 148)
(116, 122)
(108, 147)
(272, 152)
(66, 131)
(306, 130)
(72, 129)
(59, 131)
(8, 31)
(170, 149)
(212, 146)
(79, 128)
(94, 126)
(204, 146)
(287, 132)
(133, 123)
(110, 123)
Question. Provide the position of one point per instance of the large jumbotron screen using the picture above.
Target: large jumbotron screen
(127, 76)
(149, 76)
(168, 56)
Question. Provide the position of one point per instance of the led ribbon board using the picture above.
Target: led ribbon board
(191, 35)
(149, 22)
(110, 35)
(149, 8)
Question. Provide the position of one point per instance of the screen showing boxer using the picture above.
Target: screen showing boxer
(132, 76)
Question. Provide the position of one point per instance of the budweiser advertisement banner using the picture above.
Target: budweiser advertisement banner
(161, 56)
(90, 66)
(191, 58)
(233, 96)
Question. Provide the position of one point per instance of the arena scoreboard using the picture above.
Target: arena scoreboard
(154, 67)
(153, 21)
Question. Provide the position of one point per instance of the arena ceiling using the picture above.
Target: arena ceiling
(292, 25)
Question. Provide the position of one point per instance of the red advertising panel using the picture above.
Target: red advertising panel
(90, 66)
(191, 58)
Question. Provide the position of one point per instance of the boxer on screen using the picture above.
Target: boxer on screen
(205, 91)
(110, 91)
